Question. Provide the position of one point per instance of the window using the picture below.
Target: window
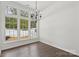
(33, 24)
(33, 29)
(11, 24)
(12, 21)
(11, 11)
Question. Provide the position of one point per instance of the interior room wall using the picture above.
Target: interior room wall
(59, 26)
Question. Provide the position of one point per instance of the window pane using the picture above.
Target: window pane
(33, 24)
(10, 23)
(23, 24)
(24, 13)
(11, 11)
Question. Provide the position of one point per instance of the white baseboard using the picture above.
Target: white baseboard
(8, 45)
(52, 44)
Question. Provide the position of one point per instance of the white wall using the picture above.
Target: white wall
(59, 26)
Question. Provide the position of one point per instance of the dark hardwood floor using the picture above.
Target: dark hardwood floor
(37, 49)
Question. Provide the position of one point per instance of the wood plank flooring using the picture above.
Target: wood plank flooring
(36, 49)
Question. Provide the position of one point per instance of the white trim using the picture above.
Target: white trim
(8, 45)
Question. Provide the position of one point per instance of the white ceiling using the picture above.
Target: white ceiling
(41, 5)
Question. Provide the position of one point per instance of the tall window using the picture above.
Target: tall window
(24, 29)
(24, 25)
(11, 24)
(33, 29)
